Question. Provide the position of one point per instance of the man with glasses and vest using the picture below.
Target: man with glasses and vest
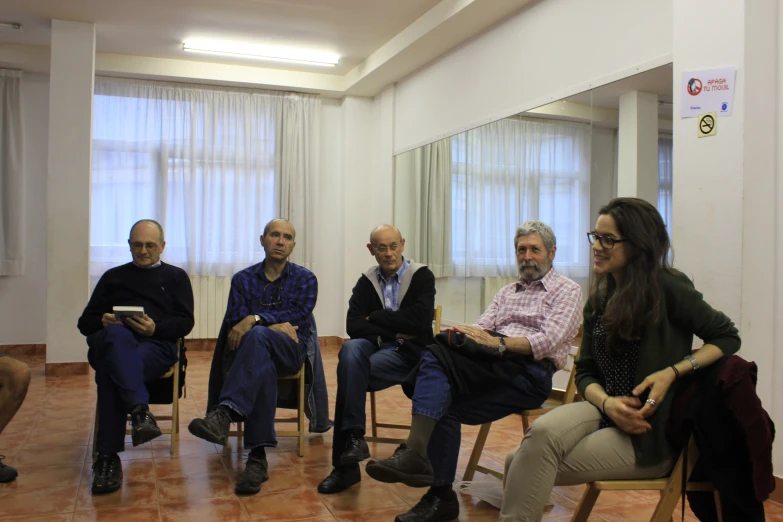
(389, 322)
(480, 373)
(268, 325)
(127, 351)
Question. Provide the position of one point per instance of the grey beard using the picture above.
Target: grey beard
(540, 271)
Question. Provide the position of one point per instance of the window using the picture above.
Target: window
(202, 162)
(665, 169)
(513, 170)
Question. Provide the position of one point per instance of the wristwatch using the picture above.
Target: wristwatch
(258, 319)
(502, 346)
(691, 359)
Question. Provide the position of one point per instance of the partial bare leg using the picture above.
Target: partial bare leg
(14, 380)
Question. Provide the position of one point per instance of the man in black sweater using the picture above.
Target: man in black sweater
(126, 353)
(389, 322)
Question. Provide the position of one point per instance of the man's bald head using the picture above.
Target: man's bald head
(383, 229)
(278, 220)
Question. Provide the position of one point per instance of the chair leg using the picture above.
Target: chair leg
(718, 505)
(586, 504)
(95, 434)
(301, 412)
(478, 447)
(525, 423)
(373, 418)
(175, 412)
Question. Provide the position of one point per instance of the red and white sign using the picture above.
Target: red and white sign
(709, 90)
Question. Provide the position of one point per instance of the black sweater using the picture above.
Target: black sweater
(163, 291)
(414, 316)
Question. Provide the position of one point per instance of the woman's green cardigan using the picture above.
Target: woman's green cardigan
(685, 314)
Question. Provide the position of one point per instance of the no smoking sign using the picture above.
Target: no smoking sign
(707, 125)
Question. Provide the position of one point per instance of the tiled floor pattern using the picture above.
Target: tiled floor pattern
(49, 441)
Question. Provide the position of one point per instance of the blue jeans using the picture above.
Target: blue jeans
(250, 388)
(123, 362)
(432, 398)
(362, 367)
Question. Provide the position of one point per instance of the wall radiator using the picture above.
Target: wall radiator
(210, 295)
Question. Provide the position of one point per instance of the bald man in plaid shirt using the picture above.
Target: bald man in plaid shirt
(531, 322)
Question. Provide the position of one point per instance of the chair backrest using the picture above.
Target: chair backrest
(570, 392)
(437, 318)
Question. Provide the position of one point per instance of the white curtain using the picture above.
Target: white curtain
(11, 174)
(428, 181)
(513, 170)
(665, 154)
(212, 165)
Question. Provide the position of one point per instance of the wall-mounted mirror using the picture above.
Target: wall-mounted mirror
(459, 200)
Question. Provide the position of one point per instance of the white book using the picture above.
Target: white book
(123, 312)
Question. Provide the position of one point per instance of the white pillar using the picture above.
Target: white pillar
(71, 76)
(728, 234)
(637, 161)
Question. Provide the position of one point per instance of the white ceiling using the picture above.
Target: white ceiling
(380, 41)
(352, 29)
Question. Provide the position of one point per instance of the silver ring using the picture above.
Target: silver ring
(651, 402)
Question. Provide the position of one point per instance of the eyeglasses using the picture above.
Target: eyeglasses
(606, 241)
(383, 248)
(138, 245)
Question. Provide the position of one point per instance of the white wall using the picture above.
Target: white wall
(328, 259)
(542, 54)
(23, 298)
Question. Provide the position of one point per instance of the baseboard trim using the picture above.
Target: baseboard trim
(67, 369)
(200, 345)
(23, 349)
(777, 495)
(331, 342)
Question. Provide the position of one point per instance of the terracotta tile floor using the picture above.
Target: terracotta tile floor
(49, 441)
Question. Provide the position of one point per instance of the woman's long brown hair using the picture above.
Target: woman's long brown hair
(635, 303)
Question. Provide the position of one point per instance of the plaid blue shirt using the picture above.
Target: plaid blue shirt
(288, 299)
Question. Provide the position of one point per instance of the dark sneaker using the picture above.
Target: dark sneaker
(7, 473)
(106, 474)
(256, 472)
(214, 427)
(432, 508)
(340, 479)
(404, 466)
(356, 450)
(144, 428)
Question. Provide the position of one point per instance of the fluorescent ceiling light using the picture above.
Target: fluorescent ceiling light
(262, 52)
(11, 25)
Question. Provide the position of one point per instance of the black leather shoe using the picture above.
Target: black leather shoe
(431, 508)
(356, 450)
(144, 428)
(214, 427)
(256, 472)
(404, 466)
(340, 479)
(106, 474)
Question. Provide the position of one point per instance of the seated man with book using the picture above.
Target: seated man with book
(132, 322)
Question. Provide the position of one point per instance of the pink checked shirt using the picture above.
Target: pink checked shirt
(548, 312)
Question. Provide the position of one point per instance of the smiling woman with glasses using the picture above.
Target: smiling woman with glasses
(639, 322)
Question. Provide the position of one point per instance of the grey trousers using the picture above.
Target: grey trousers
(564, 448)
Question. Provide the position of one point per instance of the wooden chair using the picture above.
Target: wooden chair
(670, 488)
(173, 374)
(373, 410)
(556, 398)
(299, 419)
